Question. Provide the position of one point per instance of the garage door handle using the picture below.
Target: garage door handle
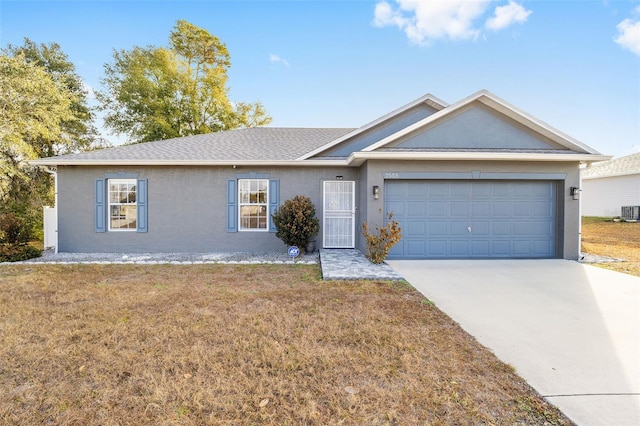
(469, 229)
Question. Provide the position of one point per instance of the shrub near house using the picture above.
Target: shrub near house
(14, 239)
(296, 221)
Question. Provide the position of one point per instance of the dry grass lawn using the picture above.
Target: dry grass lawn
(241, 345)
(621, 240)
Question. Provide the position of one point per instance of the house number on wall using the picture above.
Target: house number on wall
(390, 175)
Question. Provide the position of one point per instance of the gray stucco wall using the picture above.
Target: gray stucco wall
(187, 208)
(477, 127)
(568, 226)
(380, 132)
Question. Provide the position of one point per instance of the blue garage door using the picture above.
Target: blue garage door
(473, 219)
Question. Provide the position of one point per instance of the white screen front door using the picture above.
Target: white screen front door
(339, 214)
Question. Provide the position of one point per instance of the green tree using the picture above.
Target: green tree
(155, 93)
(44, 111)
(32, 108)
(77, 131)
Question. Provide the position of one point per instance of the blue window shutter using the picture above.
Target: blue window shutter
(101, 208)
(232, 206)
(143, 210)
(274, 201)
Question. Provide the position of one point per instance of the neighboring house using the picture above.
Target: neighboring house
(610, 185)
(475, 179)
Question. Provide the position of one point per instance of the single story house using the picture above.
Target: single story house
(610, 185)
(475, 179)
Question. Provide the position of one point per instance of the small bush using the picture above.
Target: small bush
(14, 229)
(18, 252)
(382, 240)
(14, 236)
(296, 221)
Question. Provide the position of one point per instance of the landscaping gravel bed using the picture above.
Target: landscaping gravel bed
(49, 256)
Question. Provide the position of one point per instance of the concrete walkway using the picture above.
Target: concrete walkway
(350, 264)
(571, 330)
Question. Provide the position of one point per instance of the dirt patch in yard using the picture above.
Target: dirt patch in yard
(619, 240)
(241, 345)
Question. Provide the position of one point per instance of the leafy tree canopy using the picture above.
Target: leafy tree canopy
(155, 93)
(76, 130)
(43, 112)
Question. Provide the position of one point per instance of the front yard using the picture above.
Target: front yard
(619, 240)
(239, 344)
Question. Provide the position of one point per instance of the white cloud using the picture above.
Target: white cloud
(426, 21)
(629, 34)
(275, 59)
(505, 16)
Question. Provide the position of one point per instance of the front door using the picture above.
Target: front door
(339, 214)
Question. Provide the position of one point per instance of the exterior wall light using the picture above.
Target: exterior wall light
(376, 192)
(575, 192)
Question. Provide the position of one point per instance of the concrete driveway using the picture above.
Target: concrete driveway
(572, 331)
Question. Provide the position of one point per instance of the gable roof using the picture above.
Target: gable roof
(300, 146)
(427, 99)
(501, 106)
(628, 165)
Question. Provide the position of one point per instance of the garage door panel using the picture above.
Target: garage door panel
(416, 248)
(521, 228)
(522, 248)
(438, 190)
(501, 248)
(482, 190)
(541, 209)
(417, 191)
(458, 228)
(397, 207)
(438, 228)
(480, 248)
(459, 190)
(437, 248)
(416, 208)
(480, 229)
(521, 208)
(458, 208)
(481, 209)
(458, 248)
(506, 219)
(501, 208)
(415, 229)
(501, 228)
(500, 190)
(438, 209)
(541, 248)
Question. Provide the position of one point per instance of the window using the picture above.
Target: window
(122, 204)
(253, 197)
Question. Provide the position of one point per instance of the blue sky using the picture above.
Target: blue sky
(572, 64)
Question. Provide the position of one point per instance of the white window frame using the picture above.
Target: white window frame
(110, 182)
(241, 203)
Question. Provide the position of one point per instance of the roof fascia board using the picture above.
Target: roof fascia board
(498, 105)
(48, 163)
(428, 99)
(475, 156)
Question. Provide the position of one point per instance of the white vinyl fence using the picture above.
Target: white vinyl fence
(50, 227)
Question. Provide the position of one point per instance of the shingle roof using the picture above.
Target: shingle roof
(628, 165)
(257, 143)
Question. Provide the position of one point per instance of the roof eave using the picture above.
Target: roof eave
(70, 162)
(360, 157)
